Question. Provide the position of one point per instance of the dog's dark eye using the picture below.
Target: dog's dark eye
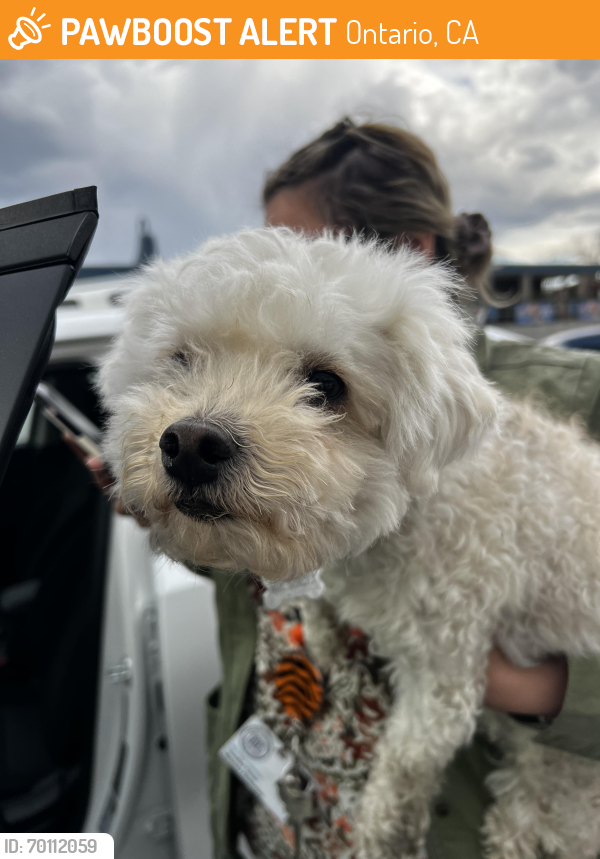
(329, 387)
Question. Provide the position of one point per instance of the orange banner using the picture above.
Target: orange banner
(335, 29)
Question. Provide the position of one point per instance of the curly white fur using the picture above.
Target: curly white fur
(445, 516)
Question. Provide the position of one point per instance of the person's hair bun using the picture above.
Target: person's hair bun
(472, 245)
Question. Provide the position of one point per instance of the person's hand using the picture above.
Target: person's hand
(102, 478)
(538, 691)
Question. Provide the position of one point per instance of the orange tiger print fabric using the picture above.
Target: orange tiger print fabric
(343, 709)
(298, 686)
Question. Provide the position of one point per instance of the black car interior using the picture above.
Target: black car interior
(54, 534)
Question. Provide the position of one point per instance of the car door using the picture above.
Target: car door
(106, 652)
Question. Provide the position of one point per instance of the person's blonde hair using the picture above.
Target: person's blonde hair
(381, 180)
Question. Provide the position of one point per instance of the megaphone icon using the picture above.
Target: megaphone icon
(26, 32)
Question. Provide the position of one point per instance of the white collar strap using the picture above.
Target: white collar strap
(276, 593)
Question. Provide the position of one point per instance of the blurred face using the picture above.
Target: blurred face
(296, 208)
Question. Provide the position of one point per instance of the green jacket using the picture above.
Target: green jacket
(568, 382)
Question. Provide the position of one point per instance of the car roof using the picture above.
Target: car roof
(89, 318)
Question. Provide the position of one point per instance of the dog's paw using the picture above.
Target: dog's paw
(389, 828)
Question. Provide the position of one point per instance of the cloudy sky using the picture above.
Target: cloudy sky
(187, 143)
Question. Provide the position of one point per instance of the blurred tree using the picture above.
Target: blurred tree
(587, 248)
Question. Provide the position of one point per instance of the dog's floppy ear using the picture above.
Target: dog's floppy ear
(441, 405)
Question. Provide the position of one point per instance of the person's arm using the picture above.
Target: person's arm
(563, 690)
(537, 691)
(568, 382)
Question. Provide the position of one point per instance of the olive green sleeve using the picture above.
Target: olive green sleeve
(237, 637)
(566, 382)
(236, 615)
(593, 365)
(576, 729)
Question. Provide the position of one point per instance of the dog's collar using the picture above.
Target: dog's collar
(275, 593)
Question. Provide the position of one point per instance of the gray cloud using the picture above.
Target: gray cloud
(188, 143)
(581, 70)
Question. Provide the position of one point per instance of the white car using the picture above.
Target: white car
(586, 337)
(107, 653)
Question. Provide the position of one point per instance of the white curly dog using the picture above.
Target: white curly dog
(279, 404)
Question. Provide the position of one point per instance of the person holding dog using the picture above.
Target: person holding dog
(384, 182)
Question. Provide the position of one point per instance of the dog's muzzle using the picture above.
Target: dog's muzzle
(194, 452)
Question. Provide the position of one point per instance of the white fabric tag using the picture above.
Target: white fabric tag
(277, 593)
(255, 755)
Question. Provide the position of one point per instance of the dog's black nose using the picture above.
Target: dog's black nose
(194, 451)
